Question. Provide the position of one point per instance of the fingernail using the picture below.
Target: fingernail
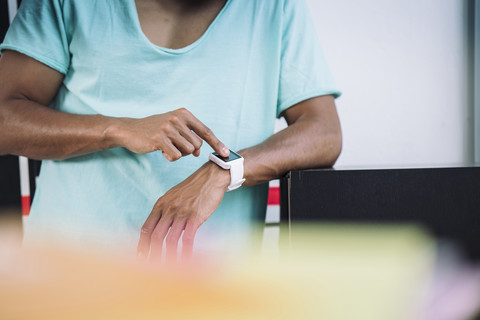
(167, 156)
(225, 149)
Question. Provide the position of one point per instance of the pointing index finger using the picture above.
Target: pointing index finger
(206, 134)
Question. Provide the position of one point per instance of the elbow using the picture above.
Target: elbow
(3, 132)
(335, 145)
(338, 145)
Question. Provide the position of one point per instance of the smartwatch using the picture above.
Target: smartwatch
(234, 163)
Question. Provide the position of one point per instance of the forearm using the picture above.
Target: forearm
(310, 142)
(300, 146)
(30, 129)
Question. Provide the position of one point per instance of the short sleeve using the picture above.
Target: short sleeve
(304, 72)
(38, 31)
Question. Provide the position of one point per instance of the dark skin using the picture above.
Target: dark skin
(176, 24)
(28, 127)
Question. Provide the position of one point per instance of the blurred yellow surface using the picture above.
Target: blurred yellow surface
(321, 272)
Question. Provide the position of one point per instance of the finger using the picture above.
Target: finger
(190, 136)
(183, 144)
(180, 122)
(172, 239)
(188, 240)
(206, 134)
(158, 236)
(143, 247)
(170, 152)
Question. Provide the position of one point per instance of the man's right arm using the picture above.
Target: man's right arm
(30, 128)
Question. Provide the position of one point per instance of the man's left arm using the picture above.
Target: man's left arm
(313, 139)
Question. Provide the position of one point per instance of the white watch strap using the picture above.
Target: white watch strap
(236, 175)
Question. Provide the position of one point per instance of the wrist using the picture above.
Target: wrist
(114, 133)
(217, 176)
(233, 164)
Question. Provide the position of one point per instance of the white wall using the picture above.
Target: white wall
(402, 67)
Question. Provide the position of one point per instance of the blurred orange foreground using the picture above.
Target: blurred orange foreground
(320, 272)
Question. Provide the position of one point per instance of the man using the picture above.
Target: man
(126, 79)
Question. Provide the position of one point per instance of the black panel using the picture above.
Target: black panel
(4, 20)
(9, 181)
(9, 172)
(446, 200)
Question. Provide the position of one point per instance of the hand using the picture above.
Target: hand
(177, 133)
(184, 208)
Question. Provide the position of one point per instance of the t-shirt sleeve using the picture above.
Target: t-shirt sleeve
(304, 73)
(38, 31)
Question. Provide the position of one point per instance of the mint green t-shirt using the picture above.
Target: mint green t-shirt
(257, 58)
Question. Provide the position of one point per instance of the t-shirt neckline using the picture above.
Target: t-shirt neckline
(188, 48)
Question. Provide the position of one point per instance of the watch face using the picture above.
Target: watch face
(231, 157)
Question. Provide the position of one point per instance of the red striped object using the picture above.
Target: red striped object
(274, 196)
(25, 206)
(24, 185)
